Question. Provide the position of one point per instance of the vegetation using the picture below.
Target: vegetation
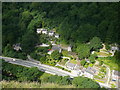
(16, 84)
(83, 51)
(56, 55)
(95, 43)
(82, 82)
(19, 73)
(73, 21)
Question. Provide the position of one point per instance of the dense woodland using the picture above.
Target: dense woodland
(75, 22)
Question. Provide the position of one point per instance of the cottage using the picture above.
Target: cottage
(50, 52)
(70, 65)
(44, 45)
(44, 31)
(51, 33)
(57, 36)
(115, 75)
(57, 47)
(69, 48)
(17, 47)
(90, 72)
(114, 48)
(39, 30)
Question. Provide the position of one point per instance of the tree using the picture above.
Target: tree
(28, 42)
(56, 55)
(83, 51)
(92, 58)
(95, 43)
(83, 82)
(83, 62)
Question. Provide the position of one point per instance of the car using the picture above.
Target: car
(14, 60)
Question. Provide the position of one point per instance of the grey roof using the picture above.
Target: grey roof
(91, 70)
(70, 65)
(56, 47)
(117, 73)
(51, 31)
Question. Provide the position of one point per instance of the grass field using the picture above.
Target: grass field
(111, 63)
(63, 61)
(15, 84)
(104, 54)
(73, 61)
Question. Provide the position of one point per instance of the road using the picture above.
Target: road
(41, 67)
(108, 74)
(45, 68)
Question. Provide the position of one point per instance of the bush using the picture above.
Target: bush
(83, 82)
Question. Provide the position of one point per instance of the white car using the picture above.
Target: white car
(14, 60)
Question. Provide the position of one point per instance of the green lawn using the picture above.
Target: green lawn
(103, 54)
(73, 61)
(63, 61)
(113, 65)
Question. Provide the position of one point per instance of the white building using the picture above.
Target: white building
(50, 52)
(51, 33)
(69, 48)
(70, 66)
(115, 75)
(17, 47)
(39, 30)
(57, 36)
(88, 74)
(44, 31)
(44, 45)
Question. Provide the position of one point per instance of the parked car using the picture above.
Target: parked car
(14, 60)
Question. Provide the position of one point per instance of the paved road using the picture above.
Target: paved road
(108, 74)
(44, 68)
(41, 67)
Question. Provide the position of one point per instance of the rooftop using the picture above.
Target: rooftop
(71, 65)
(56, 47)
(116, 72)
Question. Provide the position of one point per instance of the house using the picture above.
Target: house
(114, 48)
(115, 75)
(52, 42)
(44, 45)
(87, 60)
(39, 30)
(90, 72)
(17, 47)
(70, 65)
(50, 52)
(51, 33)
(57, 36)
(69, 48)
(57, 47)
(44, 31)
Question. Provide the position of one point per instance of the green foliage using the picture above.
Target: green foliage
(82, 82)
(83, 51)
(92, 58)
(8, 51)
(20, 73)
(59, 80)
(56, 55)
(101, 63)
(28, 42)
(95, 43)
(83, 62)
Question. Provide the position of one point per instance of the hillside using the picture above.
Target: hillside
(16, 84)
